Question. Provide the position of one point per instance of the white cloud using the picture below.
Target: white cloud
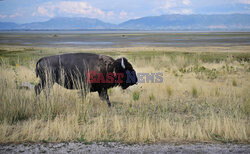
(182, 11)
(14, 15)
(244, 1)
(174, 3)
(175, 7)
(80, 8)
(123, 13)
(71, 8)
(186, 2)
(9, 16)
(2, 16)
(44, 12)
(110, 13)
(169, 3)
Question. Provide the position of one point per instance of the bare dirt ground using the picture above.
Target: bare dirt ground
(113, 147)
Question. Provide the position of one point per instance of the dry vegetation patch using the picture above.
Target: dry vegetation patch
(204, 96)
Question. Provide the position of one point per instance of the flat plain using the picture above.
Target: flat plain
(204, 96)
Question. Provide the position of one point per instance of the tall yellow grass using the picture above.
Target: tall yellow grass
(187, 106)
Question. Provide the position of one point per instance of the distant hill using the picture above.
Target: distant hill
(163, 22)
(190, 22)
(8, 25)
(62, 23)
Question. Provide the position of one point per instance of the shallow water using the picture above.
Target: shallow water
(103, 39)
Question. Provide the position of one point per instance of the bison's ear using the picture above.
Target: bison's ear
(122, 63)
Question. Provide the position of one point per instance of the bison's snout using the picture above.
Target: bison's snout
(131, 77)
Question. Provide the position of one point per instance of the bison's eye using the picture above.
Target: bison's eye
(130, 68)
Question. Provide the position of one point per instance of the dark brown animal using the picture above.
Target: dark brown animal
(72, 72)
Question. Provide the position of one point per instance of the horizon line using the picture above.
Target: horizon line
(128, 19)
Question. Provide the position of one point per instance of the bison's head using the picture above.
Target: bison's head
(128, 74)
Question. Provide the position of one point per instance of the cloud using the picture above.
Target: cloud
(168, 4)
(9, 16)
(244, 1)
(3, 16)
(186, 2)
(110, 13)
(123, 13)
(182, 11)
(14, 15)
(80, 8)
(174, 3)
(174, 7)
(44, 12)
(72, 8)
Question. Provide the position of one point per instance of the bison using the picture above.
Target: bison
(79, 70)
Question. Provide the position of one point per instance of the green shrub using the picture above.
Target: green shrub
(151, 97)
(169, 91)
(194, 92)
(234, 83)
(136, 95)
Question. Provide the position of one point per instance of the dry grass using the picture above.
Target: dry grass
(198, 101)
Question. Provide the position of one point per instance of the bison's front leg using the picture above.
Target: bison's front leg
(104, 96)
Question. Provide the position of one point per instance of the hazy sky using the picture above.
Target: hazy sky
(114, 11)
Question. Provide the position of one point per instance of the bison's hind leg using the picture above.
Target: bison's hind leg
(45, 87)
(38, 89)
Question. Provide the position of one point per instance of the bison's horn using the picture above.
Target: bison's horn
(122, 63)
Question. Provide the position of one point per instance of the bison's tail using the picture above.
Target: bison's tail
(37, 67)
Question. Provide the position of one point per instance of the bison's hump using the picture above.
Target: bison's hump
(106, 61)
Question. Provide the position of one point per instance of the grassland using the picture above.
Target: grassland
(204, 97)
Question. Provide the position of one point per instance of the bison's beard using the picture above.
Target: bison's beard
(125, 86)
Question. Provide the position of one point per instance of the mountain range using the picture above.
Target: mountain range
(163, 22)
